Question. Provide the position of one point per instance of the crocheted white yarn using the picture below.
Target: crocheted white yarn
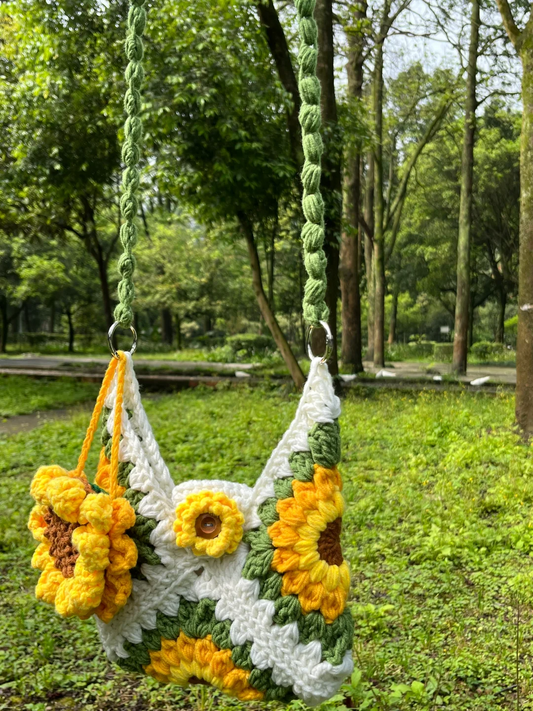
(274, 646)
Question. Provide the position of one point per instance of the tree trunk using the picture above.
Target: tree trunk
(104, 285)
(5, 325)
(369, 255)
(331, 184)
(460, 343)
(277, 334)
(393, 316)
(167, 329)
(52, 316)
(350, 267)
(279, 50)
(500, 326)
(271, 263)
(71, 333)
(524, 343)
(178, 334)
(379, 210)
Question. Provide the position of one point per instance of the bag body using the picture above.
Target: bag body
(240, 587)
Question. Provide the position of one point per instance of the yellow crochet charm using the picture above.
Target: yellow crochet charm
(84, 553)
(210, 524)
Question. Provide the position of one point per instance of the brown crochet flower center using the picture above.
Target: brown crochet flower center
(208, 526)
(196, 680)
(329, 543)
(62, 550)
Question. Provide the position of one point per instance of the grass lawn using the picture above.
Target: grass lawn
(437, 531)
(20, 395)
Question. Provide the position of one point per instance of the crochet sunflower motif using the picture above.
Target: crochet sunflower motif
(209, 524)
(195, 661)
(308, 547)
(83, 553)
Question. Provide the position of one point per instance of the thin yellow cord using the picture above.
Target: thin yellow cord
(117, 426)
(108, 377)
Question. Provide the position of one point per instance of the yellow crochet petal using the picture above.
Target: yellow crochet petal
(41, 556)
(123, 516)
(66, 495)
(49, 582)
(333, 604)
(97, 509)
(319, 571)
(93, 548)
(332, 579)
(36, 522)
(42, 478)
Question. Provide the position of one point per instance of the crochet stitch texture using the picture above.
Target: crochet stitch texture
(255, 604)
(265, 618)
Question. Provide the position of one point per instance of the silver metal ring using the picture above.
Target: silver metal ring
(110, 335)
(329, 341)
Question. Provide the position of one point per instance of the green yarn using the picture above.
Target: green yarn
(129, 204)
(152, 640)
(257, 564)
(314, 304)
(302, 465)
(335, 638)
(267, 512)
(270, 588)
(325, 443)
(220, 634)
(242, 656)
(288, 609)
(138, 654)
(197, 620)
(283, 488)
(168, 627)
(124, 469)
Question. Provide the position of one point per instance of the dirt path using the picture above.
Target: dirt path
(26, 423)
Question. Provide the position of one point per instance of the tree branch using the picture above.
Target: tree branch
(426, 138)
(510, 25)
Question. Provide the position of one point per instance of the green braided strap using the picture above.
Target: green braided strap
(314, 304)
(131, 155)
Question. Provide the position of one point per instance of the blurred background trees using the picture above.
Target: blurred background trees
(219, 254)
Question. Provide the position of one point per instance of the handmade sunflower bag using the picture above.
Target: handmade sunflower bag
(216, 582)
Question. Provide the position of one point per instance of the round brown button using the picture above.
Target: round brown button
(208, 526)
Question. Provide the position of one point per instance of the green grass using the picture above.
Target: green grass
(437, 531)
(21, 395)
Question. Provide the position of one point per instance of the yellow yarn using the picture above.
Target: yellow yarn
(303, 517)
(219, 505)
(185, 658)
(65, 495)
(101, 582)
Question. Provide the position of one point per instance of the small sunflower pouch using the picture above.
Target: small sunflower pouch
(243, 588)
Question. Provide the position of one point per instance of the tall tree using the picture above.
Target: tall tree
(221, 141)
(462, 303)
(522, 40)
(351, 243)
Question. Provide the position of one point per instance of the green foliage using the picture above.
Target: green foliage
(443, 352)
(250, 344)
(484, 350)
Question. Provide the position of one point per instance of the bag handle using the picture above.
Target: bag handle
(119, 364)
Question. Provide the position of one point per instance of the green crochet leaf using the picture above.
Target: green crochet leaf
(324, 441)
(302, 465)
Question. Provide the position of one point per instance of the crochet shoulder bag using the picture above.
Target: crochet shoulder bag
(216, 582)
